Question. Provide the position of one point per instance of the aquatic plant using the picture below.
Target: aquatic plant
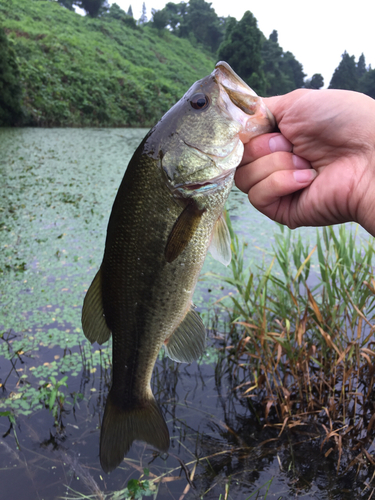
(301, 339)
(12, 421)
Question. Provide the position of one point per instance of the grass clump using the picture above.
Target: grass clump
(302, 337)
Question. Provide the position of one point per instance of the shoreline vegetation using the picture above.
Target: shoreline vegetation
(301, 341)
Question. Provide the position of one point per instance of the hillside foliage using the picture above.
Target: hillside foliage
(59, 68)
(79, 71)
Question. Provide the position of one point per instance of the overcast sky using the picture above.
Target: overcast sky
(316, 32)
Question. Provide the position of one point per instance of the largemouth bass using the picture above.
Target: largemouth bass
(166, 215)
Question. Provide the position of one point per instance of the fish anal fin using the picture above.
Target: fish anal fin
(188, 341)
(220, 243)
(182, 231)
(93, 321)
(120, 427)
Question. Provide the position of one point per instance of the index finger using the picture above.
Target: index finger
(263, 145)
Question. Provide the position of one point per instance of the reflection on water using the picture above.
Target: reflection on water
(57, 188)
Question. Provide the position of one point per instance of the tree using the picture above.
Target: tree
(143, 18)
(242, 50)
(196, 21)
(130, 11)
(201, 22)
(159, 19)
(116, 12)
(175, 13)
(274, 37)
(10, 87)
(367, 83)
(345, 75)
(68, 4)
(361, 66)
(282, 70)
(228, 25)
(315, 82)
(271, 55)
(92, 7)
(293, 69)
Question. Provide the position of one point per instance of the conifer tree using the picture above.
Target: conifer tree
(361, 66)
(282, 70)
(345, 75)
(143, 18)
(367, 83)
(201, 23)
(242, 50)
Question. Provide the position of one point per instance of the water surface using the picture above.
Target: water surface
(57, 189)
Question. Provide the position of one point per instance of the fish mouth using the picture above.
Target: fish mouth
(243, 104)
(206, 186)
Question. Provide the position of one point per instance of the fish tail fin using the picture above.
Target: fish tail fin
(120, 427)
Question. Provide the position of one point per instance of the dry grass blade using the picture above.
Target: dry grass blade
(314, 306)
(328, 339)
(303, 265)
(344, 353)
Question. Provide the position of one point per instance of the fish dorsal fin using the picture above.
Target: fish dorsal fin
(188, 341)
(220, 243)
(182, 231)
(93, 321)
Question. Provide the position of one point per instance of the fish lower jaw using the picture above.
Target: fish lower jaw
(187, 190)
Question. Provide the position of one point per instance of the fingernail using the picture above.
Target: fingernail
(304, 175)
(279, 143)
(300, 162)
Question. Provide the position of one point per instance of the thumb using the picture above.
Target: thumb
(280, 104)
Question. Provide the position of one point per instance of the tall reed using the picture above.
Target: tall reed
(303, 332)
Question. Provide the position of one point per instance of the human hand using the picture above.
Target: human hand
(330, 176)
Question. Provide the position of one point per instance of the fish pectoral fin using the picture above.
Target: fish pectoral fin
(188, 341)
(121, 426)
(183, 230)
(93, 321)
(220, 243)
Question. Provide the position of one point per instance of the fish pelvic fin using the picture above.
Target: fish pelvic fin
(188, 341)
(183, 230)
(220, 243)
(120, 427)
(94, 324)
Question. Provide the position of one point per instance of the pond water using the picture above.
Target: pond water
(57, 189)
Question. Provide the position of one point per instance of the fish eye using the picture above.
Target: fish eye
(199, 101)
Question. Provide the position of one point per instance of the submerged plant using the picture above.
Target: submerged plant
(53, 398)
(12, 421)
